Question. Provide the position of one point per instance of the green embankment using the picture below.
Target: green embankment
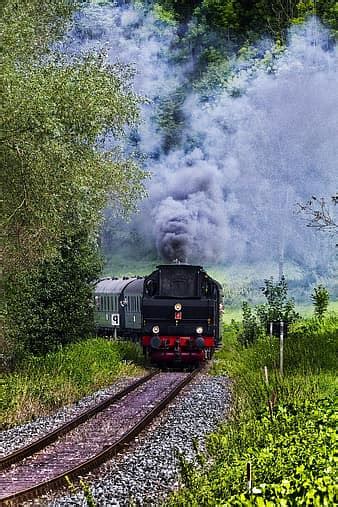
(284, 430)
(41, 384)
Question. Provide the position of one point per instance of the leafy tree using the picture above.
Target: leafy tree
(56, 174)
(51, 304)
(279, 306)
(57, 110)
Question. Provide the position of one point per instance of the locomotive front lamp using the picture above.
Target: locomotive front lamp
(199, 330)
(178, 307)
(156, 329)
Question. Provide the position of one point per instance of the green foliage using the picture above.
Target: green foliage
(320, 297)
(56, 176)
(251, 329)
(251, 19)
(41, 384)
(286, 429)
(222, 15)
(225, 28)
(51, 305)
(57, 108)
(171, 118)
(163, 14)
(278, 306)
(53, 168)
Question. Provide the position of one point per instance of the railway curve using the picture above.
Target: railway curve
(91, 442)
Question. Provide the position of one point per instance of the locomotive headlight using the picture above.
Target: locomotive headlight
(199, 330)
(178, 307)
(156, 329)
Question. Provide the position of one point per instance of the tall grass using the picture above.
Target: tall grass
(284, 430)
(41, 384)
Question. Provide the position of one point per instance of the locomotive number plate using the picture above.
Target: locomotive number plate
(115, 319)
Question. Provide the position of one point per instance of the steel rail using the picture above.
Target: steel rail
(101, 457)
(51, 437)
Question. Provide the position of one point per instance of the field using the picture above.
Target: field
(305, 310)
(278, 446)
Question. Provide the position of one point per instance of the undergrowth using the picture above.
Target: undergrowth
(282, 428)
(41, 384)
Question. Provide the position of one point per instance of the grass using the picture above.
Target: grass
(285, 430)
(39, 385)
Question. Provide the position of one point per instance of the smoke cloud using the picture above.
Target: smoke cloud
(228, 190)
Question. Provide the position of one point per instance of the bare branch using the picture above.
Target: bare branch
(318, 213)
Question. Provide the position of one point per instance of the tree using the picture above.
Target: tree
(57, 110)
(56, 175)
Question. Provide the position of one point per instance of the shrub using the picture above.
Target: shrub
(279, 306)
(51, 305)
(320, 297)
(250, 328)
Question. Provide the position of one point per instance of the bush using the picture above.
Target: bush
(320, 297)
(279, 306)
(250, 328)
(51, 305)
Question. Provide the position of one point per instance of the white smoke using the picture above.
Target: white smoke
(259, 154)
(229, 190)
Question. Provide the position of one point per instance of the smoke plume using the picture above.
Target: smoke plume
(227, 191)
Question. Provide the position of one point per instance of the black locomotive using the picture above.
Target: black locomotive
(175, 312)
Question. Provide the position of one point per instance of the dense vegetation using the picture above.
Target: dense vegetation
(243, 19)
(56, 175)
(39, 385)
(282, 427)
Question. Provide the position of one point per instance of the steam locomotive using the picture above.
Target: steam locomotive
(174, 313)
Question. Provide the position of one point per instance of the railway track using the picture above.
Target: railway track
(88, 440)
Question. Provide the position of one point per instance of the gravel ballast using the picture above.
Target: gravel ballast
(149, 470)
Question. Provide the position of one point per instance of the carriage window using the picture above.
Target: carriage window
(114, 301)
(133, 304)
(98, 303)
